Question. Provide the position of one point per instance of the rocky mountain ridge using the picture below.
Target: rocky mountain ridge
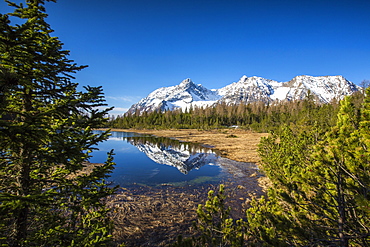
(187, 94)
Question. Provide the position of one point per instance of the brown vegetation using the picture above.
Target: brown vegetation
(147, 216)
(236, 144)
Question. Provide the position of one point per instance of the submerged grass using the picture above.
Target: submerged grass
(145, 216)
(156, 216)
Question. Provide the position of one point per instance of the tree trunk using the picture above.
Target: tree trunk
(21, 221)
(24, 182)
(341, 210)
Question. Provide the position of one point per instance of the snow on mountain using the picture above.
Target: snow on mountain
(181, 96)
(322, 88)
(247, 90)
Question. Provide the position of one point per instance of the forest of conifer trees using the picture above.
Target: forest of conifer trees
(256, 116)
(319, 193)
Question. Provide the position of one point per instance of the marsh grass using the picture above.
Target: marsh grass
(146, 216)
(156, 216)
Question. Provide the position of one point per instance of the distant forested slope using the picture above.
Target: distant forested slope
(257, 116)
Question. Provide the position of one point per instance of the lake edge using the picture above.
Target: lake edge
(235, 144)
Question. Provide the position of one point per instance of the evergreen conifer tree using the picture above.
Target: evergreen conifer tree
(46, 136)
(321, 183)
(341, 173)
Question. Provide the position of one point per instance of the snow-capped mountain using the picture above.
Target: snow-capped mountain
(324, 88)
(247, 90)
(181, 96)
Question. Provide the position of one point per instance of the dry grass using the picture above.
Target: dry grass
(154, 217)
(234, 144)
(146, 216)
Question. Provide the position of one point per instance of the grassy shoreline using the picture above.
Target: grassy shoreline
(236, 144)
(169, 210)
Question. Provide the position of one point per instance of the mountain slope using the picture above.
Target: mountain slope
(181, 96)
(247, 90)
(324, 88)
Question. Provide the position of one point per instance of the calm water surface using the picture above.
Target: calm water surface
(153, 161)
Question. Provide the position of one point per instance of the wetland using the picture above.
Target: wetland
(163, 178)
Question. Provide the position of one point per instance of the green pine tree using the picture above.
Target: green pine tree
(46, 137)
(281, 220)
(341, 173)
(214, 226)
(321, 183)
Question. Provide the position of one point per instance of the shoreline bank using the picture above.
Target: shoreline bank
(234, 144)
(170, 210)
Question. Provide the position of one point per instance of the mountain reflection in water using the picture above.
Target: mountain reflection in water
(154, 161)
(184, 156)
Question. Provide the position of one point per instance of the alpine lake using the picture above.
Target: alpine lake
(161, 181)
(151, 161)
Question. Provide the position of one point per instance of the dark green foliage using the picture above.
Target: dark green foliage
(46, 137)
(320, 188)
(320, 184)
(231, 136)
(215, 224)
(215, 227)
(285, 158)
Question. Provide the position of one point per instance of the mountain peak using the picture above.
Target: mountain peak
(243, 78)
(246, 90)
(187, 83)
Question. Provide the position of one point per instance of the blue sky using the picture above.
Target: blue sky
(133, 47)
